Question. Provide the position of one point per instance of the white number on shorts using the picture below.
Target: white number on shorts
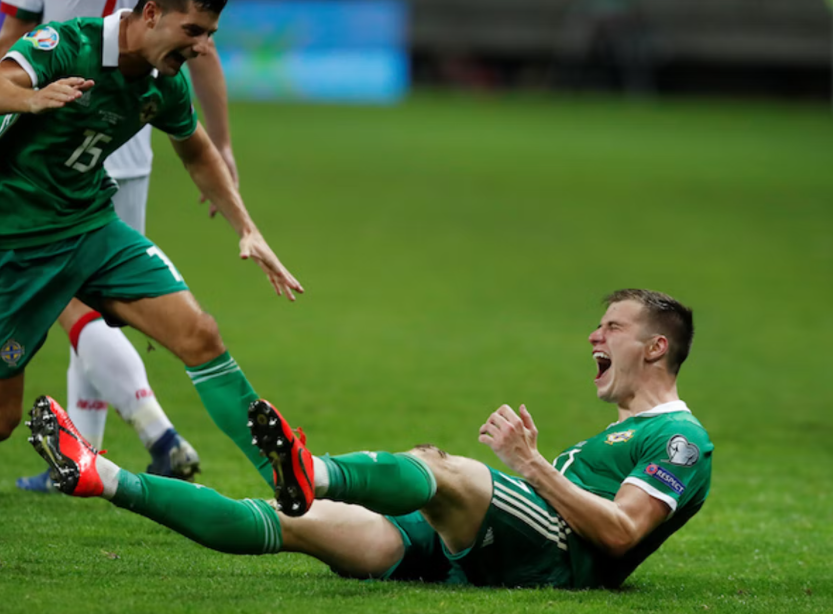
(88, 147)
(155, 251)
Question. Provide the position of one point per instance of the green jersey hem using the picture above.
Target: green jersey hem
(44, 238)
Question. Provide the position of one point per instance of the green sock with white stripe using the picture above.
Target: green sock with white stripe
(201, 514)
(226, 394)
(385, 483)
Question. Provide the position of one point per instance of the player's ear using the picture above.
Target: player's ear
(151, 13)
(656, 348)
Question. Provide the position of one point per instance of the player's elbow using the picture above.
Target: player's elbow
(618, 543)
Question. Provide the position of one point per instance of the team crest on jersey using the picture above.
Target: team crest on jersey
(11, 352)
(45, 38)
(149, 110)
(620, 437)
(682, 452)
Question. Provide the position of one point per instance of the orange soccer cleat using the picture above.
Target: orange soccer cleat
(70, 457)
(291, 461)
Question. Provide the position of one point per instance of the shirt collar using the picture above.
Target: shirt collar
(665, 408)
(110, 46)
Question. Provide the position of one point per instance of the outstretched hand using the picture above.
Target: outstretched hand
(254, 246)
(58, 94)
(513, 437)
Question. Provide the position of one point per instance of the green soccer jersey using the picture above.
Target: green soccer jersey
(667, 453)
(52, 179)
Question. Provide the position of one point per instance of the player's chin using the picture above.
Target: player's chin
(172, 64)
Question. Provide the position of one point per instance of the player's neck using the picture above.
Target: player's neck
(647, 397)
(131, 62)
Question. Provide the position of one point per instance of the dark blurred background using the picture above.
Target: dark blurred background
(763, 47)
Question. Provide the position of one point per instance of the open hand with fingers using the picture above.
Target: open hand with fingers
(58, 94)
(513, 437)
(254, 246)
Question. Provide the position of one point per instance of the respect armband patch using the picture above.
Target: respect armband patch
(44, 39)
(666, 477)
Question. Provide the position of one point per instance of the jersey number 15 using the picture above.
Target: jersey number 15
(89, 147)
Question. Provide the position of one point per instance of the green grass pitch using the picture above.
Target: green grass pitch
(454, 253)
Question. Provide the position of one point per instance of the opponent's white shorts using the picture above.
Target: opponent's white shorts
(131, 201)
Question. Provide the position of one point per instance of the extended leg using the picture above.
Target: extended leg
(353, 540)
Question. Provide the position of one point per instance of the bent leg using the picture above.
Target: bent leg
(11, 404)
(452, 492)
(178, 323)
(464, 493)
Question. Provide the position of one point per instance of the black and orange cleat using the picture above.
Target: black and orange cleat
(291, 461)
(70, 457)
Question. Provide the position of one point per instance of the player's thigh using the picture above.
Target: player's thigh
(131, 200)
(11, 404)
(36, 284)
(352, 540)
(464, 493)
(174, 320)
(136, 284)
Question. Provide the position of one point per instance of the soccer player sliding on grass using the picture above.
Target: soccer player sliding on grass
(70, 95)
(587, 519)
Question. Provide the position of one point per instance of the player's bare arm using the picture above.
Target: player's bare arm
(17, 95)
(210, 88)
(12, 29)
(213, 179)
(614, 526)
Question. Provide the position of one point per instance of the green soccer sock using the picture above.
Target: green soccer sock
(385, 483)
(226, 394)
(201, 514)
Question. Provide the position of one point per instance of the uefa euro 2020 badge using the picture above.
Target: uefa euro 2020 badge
(45, 38)
(12, 352)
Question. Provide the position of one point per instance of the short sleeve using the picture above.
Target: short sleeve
(178, 117)
(47, 53)
(24, 10)
(673, 463)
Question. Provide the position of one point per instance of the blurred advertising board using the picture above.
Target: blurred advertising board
(316, 50)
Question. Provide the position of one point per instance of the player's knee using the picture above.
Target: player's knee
(8, 423)
(203, 341)
(436, 459)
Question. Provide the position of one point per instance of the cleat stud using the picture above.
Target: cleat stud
(262, 420)
(249, 423)
(273, 422)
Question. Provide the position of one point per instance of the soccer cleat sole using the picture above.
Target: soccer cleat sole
(46, 441)
(268, 435)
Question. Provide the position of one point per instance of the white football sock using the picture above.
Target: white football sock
(322, 477)
(108, 471)
(116, 370)
(86, 407)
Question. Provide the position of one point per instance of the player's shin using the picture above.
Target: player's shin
(201, 514)
(226, 394)
(390, 484)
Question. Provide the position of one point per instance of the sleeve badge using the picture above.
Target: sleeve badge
(45, 38)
